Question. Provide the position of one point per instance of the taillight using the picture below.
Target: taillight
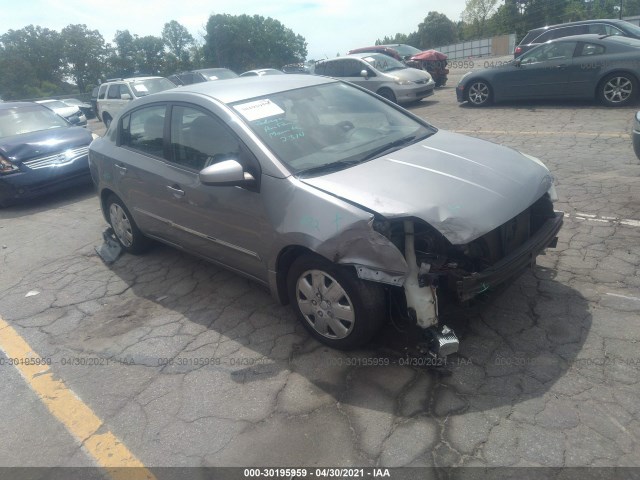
(517, 51)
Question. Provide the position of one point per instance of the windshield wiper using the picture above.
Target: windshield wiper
(391, 147)
(329, 167)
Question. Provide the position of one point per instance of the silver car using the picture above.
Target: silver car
(380, 73)
(340, 203)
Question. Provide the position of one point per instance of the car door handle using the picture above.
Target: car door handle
(122, 168)
(176, 190)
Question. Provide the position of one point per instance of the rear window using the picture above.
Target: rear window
(528, 38)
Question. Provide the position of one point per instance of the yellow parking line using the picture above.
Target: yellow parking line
(543, 133)
(105, 448)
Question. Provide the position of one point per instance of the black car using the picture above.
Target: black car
(39, 152)
(600, 27)
(582, 66)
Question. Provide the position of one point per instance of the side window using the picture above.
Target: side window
(591, 49)
(143, 130)
(352, 68)
(551, 51)
(598, 29)
(199, 140)
(102, 91)
(334, 69)
(124, 90)
(548, 35)
(114, 92)
(611, 30)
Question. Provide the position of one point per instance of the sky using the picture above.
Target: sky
(329, 26)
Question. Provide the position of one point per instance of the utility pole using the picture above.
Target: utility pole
(620, 12)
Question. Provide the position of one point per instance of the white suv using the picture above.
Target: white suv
(114, 95)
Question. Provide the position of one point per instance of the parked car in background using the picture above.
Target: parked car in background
(541, 35)
(114, 95)
(84, 107)
(296, 68)
(343, 204)
(381, 74)
(94, 102)
(432, 61)
(70, 113)
(202, 75)
(582, 66)
(40, 152)
(261, 72)
(635, 133)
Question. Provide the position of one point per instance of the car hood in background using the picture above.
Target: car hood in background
(412, 74)
(462, 186)
(19, 148)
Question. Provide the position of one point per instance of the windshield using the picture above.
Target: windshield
(405, 50)
(218, 73)
(630, 28)
(631, 42)
(149, 86)
(383, 63)
(16, 121)
(328, 126)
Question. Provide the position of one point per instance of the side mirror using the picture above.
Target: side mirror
(125, 96)
(227, 172)
(517, 62)
(364, 73)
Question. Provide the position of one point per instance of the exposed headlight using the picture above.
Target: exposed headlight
(6, 166)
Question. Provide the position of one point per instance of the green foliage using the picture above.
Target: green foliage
(84, 52)
(243, 42)
(178, 41)
(436, 30)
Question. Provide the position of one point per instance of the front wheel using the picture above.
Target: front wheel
(479, 93)
(388, 94)
(124, 227)
(618, 89)
(335, 306)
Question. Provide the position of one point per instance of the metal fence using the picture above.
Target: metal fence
(495, 46)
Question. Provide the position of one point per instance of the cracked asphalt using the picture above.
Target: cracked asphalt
(191, 365)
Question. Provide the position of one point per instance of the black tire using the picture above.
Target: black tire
(618, 89)
(107, 120)
(388, 94)
(479, 93)
(127, 233)
(345, 312)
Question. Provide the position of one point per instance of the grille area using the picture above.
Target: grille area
(58, 159)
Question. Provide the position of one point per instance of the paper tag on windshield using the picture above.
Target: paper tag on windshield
(258, 109)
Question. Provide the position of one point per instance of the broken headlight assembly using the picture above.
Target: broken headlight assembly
(6, 167)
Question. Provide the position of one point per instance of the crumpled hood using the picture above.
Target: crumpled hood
(19, 148)
(462, 186)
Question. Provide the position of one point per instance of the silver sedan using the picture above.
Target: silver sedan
(340, 203)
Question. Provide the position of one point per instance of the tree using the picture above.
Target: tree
(83, 52)
(122, 60)
(246, 42)
(149, 54)
(436, 30)
(178, 41)
(477, 12)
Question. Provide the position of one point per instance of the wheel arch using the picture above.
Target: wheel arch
(478, 79)
(285, 259)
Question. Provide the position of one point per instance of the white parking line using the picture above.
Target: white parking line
(628, 222)
(627, 297)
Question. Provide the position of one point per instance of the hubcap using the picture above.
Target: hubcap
(121, 225)
(618, 89)
(478, 93)
(325, 305)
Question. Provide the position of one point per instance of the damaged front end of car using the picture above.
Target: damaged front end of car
(440, 272)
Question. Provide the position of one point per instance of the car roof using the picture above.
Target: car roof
(243, 88)
(580, 22)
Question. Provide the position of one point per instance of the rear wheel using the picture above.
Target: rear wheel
(333, 304)
(388, 94)
(479, 93)
(106, 119)
(124, 227)
(618, 89)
